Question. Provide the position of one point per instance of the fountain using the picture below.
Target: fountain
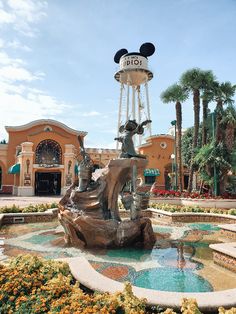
(89, 210)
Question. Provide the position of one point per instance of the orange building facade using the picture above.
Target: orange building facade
(159, 150)
(40, 158)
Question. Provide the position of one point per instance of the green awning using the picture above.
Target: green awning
(14, 169)
(151, 172)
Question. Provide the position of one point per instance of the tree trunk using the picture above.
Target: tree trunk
(219, 110)
(204, 119)
(196, 107)
(229, 137)
(179, 142)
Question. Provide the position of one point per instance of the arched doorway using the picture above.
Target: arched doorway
(48, 155)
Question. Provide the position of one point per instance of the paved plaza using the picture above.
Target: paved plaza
(21, 201)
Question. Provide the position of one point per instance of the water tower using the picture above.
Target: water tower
(133, 77)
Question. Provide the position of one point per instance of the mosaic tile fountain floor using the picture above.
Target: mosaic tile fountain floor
(180, 261)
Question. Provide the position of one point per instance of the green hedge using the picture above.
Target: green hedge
(28, 209)
(191, 209)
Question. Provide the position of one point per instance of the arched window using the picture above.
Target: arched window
(48, 152)
(0, 178)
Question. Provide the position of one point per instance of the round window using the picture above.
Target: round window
(163, 145)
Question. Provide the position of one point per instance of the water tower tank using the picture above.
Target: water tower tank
(134, 75)
(133, 70)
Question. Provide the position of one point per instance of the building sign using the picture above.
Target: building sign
(48, 165)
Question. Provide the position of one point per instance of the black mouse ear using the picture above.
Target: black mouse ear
(119, 54)
(147, 49)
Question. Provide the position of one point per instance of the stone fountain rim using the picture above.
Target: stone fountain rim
(207, 301)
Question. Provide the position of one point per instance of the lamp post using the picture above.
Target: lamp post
(173, 123)
(213, 114)
(172, 156)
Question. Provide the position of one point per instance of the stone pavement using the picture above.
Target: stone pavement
(21, 201)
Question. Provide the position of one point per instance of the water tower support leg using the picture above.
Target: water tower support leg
(133, 103)
(148, 108)
(119, 113)
(127, 104)
(139, 113)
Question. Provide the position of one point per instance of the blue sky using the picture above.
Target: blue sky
(56, 57)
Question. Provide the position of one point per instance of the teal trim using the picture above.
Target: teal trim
(151, 172)
(14, 169)
(76, 169)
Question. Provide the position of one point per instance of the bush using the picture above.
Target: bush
(191, 209)
(11, 209)
(33, 285)
(232, 211)
(30, 284)
(28, 209)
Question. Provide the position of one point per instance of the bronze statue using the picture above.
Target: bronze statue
(130, 128)
(89, 212)
(85, 169)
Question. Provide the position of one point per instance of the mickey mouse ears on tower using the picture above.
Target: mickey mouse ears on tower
(145, 50)
(119, 54)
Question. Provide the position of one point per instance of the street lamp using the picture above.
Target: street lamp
(172, 156)
(213, 117)
(173, 123)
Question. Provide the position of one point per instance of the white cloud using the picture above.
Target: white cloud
(31, 11)
(98, 143)
(13, 70)
(20, 102)
(14, 73)
(1, 43)
(16, 44)
(23, 15)
(26, 106)
(11, 89)
(6, 18)
(91, 114)
(5, 59)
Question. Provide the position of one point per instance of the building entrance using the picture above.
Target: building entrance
(47, 183)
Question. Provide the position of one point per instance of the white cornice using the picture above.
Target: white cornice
(44, 122)
(152, 137)
(160, 136)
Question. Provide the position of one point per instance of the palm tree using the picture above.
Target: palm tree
(207, 97)
(228, 123)
(210, 158)
(192, 80)
(223, 94)
(177, 94)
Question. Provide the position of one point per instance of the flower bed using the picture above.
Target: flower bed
(28, 209)
(30, 284)
(193, 195)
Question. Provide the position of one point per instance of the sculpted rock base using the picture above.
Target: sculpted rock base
(91, 218)
(85, 231)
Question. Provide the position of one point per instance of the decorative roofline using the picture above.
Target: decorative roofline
(161, 136)
(45, 122)
(149, 139)
(96, 150)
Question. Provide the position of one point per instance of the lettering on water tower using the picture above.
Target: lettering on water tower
(133, 62)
